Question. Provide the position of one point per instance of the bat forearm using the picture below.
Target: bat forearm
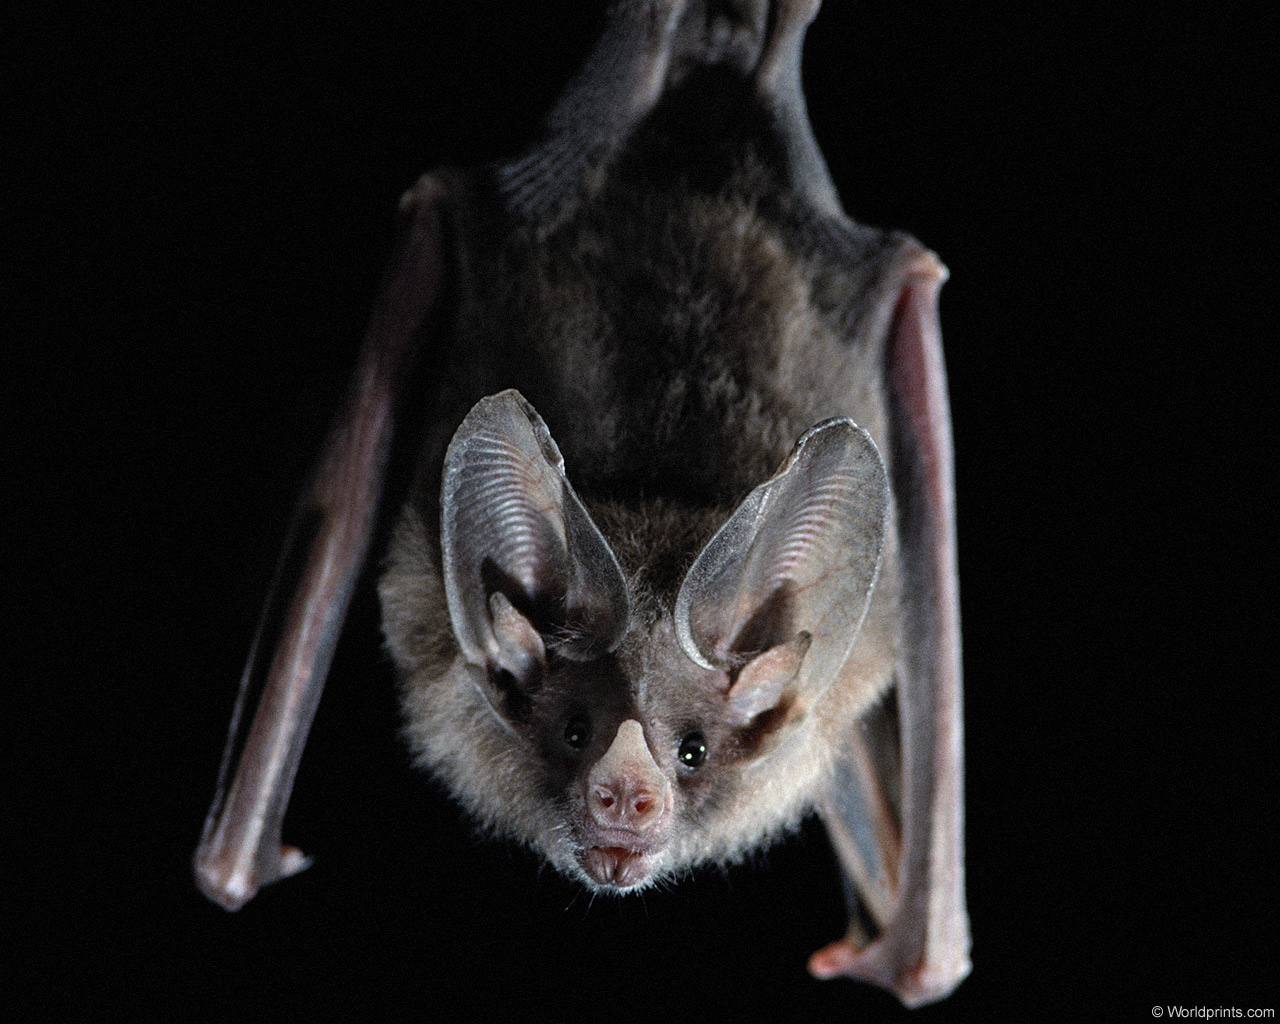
(240, 849)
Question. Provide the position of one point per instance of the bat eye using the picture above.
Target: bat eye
(577, 734)
(693, 750)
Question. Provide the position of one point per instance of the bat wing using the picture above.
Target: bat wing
(895, 813)
(895, 817)
(240, 848)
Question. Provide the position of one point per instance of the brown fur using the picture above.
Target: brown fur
(677, 346)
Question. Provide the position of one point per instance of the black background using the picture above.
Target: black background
(203, 210)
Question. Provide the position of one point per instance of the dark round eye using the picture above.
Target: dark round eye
(577, 733)
(693, 750)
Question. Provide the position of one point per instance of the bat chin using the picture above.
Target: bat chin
(616, 867)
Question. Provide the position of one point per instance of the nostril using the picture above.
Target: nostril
(625, 807)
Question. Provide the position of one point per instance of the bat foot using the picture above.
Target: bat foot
(914, 984)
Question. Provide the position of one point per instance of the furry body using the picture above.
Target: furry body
(678, 342)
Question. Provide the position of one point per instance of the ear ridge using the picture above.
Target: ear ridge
(512, 523)
(801, 553)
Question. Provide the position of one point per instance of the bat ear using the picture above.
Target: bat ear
(522, 559)
(778, 595)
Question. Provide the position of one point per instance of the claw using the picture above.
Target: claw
(914, 986)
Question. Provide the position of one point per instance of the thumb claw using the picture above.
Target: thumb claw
(833, 960)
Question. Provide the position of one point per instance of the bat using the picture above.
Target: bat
(676, 567)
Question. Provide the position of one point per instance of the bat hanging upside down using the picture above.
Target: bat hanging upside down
(678, 564)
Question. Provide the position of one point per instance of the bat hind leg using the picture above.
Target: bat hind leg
(649, 50)
(781, 93)
(620, 83)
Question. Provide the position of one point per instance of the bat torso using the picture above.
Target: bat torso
(677, 338)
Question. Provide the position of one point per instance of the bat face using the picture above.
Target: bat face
(622, 727)
(678, 566)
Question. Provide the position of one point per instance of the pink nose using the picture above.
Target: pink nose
(624, 804)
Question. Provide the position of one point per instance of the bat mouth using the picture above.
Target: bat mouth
(618, 867)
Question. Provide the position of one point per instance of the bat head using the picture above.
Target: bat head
(627, 717)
